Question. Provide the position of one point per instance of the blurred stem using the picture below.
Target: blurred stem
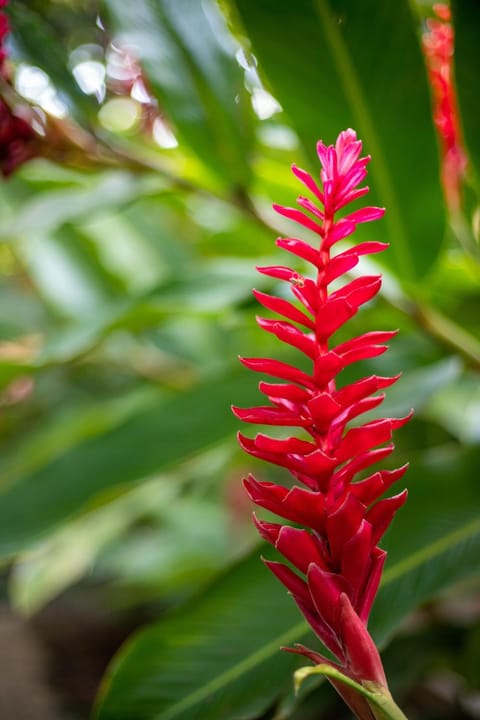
(448, 332)
(138, 161)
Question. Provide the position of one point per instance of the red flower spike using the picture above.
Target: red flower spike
(438, 48)
(295, 585)
(284, 392)
(380, 515)
(336, 563)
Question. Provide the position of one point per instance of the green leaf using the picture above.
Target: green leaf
(466, 19)
(188, 57)
(207, 290)
(184, 544)
(153, 439)
(218, 657)
(67, 428)
(65, 268)
(48, 210)
(66, 556)
(418, 386)
(334, 64)
(456, 406)
(435, 537)
(215, 658)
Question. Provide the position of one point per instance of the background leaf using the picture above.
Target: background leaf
(39, 43)
(188, 57)
(466, 18)
(220, 655)
(110, 463)
(346, 73)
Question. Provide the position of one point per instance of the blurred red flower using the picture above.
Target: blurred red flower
(439, 46)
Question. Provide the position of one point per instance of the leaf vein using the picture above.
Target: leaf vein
(353, 91)
(394, 573)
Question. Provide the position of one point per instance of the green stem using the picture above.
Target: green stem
(382, 704)
(449, 332)
(378, 697)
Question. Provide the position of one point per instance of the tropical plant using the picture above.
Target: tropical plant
(144, 144)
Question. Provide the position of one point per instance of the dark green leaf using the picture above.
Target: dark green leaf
(334, 64)
(219, 656)
(188, 56)
(206, 291)
(174, 428)
(46, 211)
(466, 18)
(216, 658)
(39, 44)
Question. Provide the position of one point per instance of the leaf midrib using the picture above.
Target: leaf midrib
(353, 91)
(402, 568)
(234, 672)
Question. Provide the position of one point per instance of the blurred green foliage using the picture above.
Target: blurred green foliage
(127, 260)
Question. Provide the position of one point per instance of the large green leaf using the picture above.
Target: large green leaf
(466, 17)
(184, 543)
(206, 291)
(167, 431)
(188, 56)
(334, 64)
(68, 427)
(219, 656)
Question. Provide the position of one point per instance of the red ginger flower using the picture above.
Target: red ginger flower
(438, 47)
(335, 551)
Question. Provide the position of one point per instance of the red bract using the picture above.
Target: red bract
(335, 552)
(439, 46)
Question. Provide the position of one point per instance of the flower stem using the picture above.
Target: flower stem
(380, 702)
(449, 332)
(387, 709)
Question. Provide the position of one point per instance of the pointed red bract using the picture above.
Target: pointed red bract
(334, 554)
